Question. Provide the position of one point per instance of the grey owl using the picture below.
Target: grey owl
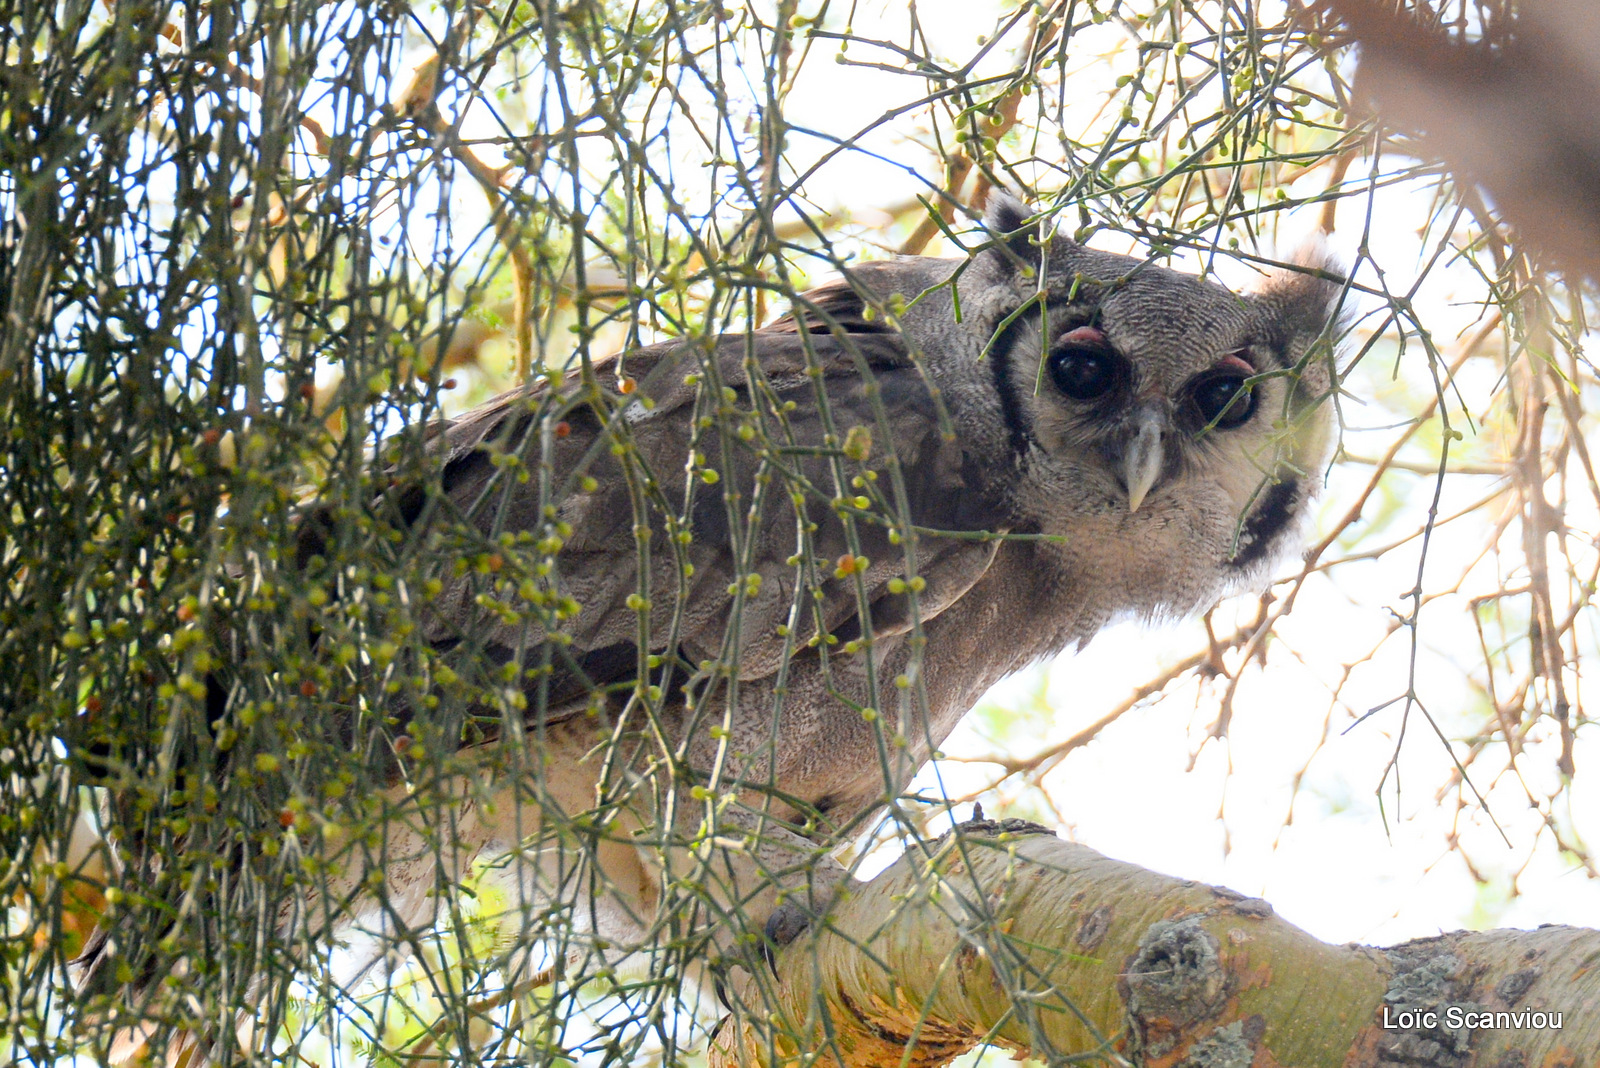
(763, 581)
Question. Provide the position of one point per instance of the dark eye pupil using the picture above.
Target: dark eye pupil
(1225, 401)
(1083, 372)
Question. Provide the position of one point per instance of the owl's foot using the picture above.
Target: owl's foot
(791, 918)
(787, 923)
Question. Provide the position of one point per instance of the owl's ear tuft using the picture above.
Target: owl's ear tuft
(1308, 295)
(1013, 223)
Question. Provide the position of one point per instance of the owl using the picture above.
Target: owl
(729, 593)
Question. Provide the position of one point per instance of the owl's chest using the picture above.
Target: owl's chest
(847, 732)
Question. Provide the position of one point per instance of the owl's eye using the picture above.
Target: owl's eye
(1225, 400)
(1085, 368)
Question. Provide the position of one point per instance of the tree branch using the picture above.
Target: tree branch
(1100, 955)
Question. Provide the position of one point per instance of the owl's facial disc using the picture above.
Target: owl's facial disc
(1219, 399)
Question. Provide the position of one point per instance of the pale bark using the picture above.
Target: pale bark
(1006, 934)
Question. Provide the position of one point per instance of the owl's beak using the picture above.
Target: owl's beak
(1142, 463)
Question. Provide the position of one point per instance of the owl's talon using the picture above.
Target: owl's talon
(786, 923)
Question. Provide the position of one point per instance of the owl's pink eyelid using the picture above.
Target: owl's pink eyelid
(1235, 363)
(1087, 335)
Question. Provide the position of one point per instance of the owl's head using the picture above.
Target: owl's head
(1171, 432)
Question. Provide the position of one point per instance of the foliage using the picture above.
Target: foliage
(249, 248)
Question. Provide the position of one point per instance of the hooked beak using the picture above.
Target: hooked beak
(1142, 463)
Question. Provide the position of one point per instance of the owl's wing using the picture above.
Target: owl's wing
(792, 522)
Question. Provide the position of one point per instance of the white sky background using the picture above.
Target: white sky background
(1152, 789)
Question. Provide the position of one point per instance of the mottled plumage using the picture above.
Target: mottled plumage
(978, 492)
(970, 434)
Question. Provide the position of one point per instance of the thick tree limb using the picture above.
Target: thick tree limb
(1008, 934)
(1510, 107)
